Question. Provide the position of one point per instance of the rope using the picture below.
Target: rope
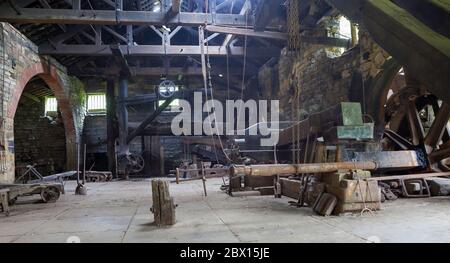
(209, 83)
(366, 209)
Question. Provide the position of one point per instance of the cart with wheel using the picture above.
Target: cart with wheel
(49, 192)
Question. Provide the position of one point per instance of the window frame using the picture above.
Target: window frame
(95, 111)
(171, 107)
(47, 112)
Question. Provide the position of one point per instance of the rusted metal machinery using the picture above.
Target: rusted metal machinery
(98, 176)
(341, 159)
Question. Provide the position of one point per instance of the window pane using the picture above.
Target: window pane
(51, 105)
(96, 102)
(174, 104)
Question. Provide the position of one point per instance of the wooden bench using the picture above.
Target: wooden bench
(4, 201)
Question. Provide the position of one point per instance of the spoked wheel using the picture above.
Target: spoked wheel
(50, 194)
(134, 163)
(418, 120)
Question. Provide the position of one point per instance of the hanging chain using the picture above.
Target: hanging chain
(293, 25)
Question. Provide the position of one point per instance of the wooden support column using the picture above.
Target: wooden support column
(147, 156)
(155, 156)
(123, 117)
(111, 131)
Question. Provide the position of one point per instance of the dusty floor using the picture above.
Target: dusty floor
(119, 212)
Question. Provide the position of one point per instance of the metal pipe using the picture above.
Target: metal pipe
(274, 169)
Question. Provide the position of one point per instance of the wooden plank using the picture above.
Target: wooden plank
(247, 32)
(113, 17)
(154, 50)
(424, 52)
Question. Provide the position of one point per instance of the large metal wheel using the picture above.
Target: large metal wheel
(133, 163)
(418, 120)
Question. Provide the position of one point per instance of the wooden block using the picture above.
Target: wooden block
(333, 179)
(258, 181)
(290, 188)
(268, 190)
(4, 201)
(326, 204)
(163, 204)
(315, 193)
(235, 183)
(352, 192)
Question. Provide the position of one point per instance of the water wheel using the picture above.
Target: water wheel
(409, 117)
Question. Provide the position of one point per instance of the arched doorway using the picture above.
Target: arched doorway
(47, 76)
(39, 134)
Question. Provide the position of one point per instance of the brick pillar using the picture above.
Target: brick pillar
(7, 141)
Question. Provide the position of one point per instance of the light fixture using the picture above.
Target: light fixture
(221, 75)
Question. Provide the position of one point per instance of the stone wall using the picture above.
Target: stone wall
(20, 62)
(321, 77)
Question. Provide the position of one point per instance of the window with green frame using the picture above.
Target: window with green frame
(96, 103)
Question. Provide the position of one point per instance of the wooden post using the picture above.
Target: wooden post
(354, 31)
(147, 155)
(123, 117)
(155, 156)
(177, 174)
(204, 179)
(162, 160)
(4, 201)
(163, 206)
(111, 133)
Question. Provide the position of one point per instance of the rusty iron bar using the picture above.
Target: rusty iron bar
(274, 169)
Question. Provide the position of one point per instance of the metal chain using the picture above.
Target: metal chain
(293, 25)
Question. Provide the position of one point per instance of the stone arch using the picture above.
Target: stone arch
(49, 74)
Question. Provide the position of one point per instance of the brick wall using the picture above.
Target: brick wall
(19, 61)
(322, 78)
(39, 140)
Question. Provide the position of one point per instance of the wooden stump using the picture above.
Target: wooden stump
(163, 206)
(4, 201)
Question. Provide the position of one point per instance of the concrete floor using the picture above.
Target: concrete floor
(119, 212)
